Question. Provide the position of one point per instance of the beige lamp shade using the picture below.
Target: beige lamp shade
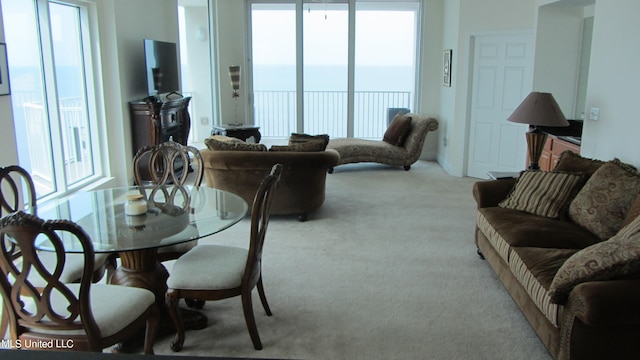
(539, 109)
(234, 75)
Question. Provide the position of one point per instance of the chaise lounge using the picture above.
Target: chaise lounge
(401, 146)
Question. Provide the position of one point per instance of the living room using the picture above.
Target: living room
(449, 24)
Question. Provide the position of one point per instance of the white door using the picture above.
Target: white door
(501, 79)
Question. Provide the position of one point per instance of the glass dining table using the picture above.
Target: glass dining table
(174, 215)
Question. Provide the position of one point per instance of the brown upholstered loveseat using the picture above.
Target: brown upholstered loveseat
(301, 189)
(577, 285)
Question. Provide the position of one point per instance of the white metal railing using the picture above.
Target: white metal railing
(75, 141)
(326, 112)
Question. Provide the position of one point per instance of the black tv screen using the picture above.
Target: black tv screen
(161, 61)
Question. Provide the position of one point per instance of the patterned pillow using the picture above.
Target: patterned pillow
(603, 203)
(226, 143)
(543, 193)
(568, 161)
(618, 257)
(300, 147)
(297, 138)
(398, 130)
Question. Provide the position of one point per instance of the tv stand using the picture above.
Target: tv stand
(154, 121)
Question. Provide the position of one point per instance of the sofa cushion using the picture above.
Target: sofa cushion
(506, 228)
(297, 138)
(398, 130)
(535, 268)
(602, 204)
(300, 147)
(568, 161)
(543, 193)
(618, 257)
(226, 143)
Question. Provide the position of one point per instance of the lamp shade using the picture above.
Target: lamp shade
(234, 75)
(539, 109)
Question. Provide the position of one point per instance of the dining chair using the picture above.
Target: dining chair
(83, 316)
(169, 163)
(215, 272)
(18, 192)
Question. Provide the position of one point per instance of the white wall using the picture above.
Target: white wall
(557, 54)
(431, 61)
(9, 153)
(613, 83)
(230, 29)
(472, 17)
(123, 25)
(197, 37)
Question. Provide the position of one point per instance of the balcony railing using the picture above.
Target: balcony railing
(75, 142)
(325, 112)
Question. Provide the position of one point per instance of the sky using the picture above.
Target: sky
(383, 37)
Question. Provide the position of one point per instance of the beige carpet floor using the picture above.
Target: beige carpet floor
(386, 269)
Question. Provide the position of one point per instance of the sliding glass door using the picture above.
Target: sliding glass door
(333, 67)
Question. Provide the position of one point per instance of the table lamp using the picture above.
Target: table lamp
(538, 109)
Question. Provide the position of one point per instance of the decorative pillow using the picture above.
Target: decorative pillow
(618, 257)
(300, 147)
(543, 193)
(603, 203)
(226, 143)
(568, 161)
(296, 138)
(398, 130)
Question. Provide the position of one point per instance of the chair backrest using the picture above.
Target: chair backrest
(260, 214)
(36, 311)
(168, 162)
(17, 190)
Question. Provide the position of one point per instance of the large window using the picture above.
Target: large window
(318, 68)
(49, 57)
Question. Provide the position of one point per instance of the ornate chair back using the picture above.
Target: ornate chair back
(168, 163)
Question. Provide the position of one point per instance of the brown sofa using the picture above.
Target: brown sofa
(553, 267)
(301, 189)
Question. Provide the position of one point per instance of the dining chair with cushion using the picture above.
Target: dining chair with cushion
(169, 163)
(18, 192)
(215, 272)
(83, 316)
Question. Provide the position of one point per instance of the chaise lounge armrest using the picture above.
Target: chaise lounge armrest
(489, 193)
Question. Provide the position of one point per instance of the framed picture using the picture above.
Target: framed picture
(446, 67)
(4, 71)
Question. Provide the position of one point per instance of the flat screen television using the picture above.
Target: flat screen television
(161, 62)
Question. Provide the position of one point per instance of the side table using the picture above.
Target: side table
(242, 132)
(495, 175)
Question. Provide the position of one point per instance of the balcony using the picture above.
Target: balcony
(326, 112)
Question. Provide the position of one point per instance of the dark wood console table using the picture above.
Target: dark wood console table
(242, 132)
(154, 122)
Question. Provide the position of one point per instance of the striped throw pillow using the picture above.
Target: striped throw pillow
(543, 193)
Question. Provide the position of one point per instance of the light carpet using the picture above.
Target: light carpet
(386, 269)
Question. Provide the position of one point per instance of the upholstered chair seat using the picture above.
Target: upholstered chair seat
(209, 267)
(107, 305)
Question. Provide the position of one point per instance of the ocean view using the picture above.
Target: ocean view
(333, 78)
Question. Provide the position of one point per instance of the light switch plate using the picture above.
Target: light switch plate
(594, 113)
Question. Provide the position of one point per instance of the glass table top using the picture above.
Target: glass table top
(174, 215)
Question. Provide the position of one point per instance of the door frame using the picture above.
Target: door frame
(471, 43)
